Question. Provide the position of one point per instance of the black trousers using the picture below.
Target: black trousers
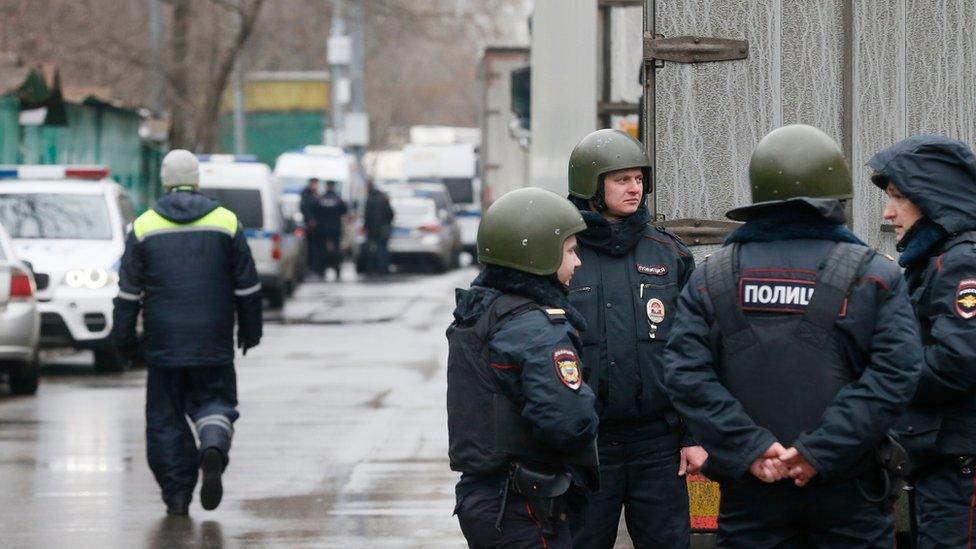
(756, 515)
(316, 253)
(642, 479)
(945, 504)
(477, 513)
(333, 251)
(175, 397)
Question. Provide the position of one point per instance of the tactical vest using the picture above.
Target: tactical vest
(486, 430)
(785, 369)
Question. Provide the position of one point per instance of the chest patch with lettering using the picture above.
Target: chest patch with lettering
(567, 368)
(778, 295)
(653, 270)
(966, 298)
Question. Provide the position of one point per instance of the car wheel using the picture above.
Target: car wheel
(109, 359)
(24, 377)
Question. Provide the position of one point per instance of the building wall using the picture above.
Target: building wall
(564, 86)
(504, 163)
(94, 134)
(270, 133)
(909, 67)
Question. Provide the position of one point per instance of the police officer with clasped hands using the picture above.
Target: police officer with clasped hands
(794, 350)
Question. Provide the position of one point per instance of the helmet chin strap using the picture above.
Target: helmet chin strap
(599, 200)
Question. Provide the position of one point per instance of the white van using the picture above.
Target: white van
(246, 187)
(456, 166)
(294, 169)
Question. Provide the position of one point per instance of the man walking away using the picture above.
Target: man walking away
(329, 218)
(378, 219)
(188, 268)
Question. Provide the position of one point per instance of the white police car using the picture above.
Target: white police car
(69, 223)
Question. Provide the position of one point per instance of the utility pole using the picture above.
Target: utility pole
(357, 64)
(338, 50)
(156, 45)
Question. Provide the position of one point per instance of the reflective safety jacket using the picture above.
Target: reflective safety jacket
(188, 267)
(831, 393)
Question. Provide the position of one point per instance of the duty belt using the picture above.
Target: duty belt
(542, 491)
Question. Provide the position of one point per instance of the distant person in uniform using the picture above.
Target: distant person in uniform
(187, 266)
(521, 422)
(378, 222)
(329, 217)
(794, 351)
(931, 187)
(315, 244)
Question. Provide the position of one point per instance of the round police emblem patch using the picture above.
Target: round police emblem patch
(966, 298)
(567, 368)
(655, 310)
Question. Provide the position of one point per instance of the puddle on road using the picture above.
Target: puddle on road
(310, 506)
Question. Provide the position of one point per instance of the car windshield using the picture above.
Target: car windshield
(56, 216)
(246, 203)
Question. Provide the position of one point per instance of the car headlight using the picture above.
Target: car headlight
(93, 279)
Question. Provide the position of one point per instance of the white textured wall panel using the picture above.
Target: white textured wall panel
(563, 101)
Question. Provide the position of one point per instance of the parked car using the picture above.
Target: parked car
(425, 228)
(20, 321)
(69, 223)
(246, 187)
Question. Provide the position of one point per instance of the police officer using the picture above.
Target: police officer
(521, 423)
(187, 266)
(329, 215)
(315, 244)
(794, 351)
(627, 289)
(931, 185)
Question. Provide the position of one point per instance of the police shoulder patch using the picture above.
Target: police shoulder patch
(966, 298)
(567, 368)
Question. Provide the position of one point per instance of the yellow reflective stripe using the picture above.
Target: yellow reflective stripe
(151, 222)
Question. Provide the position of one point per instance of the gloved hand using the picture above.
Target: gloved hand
(245, 344)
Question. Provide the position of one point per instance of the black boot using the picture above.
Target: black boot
(212, 466)
(178, 506)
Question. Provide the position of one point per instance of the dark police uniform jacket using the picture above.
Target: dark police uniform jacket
(532, 367)
(188, 267)
(939, 176)
(627, 289)
(874, 341)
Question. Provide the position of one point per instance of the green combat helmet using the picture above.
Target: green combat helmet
(525, 230)
(602, 152)
(798, 160)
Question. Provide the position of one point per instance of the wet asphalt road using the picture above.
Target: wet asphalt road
(342, 439)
